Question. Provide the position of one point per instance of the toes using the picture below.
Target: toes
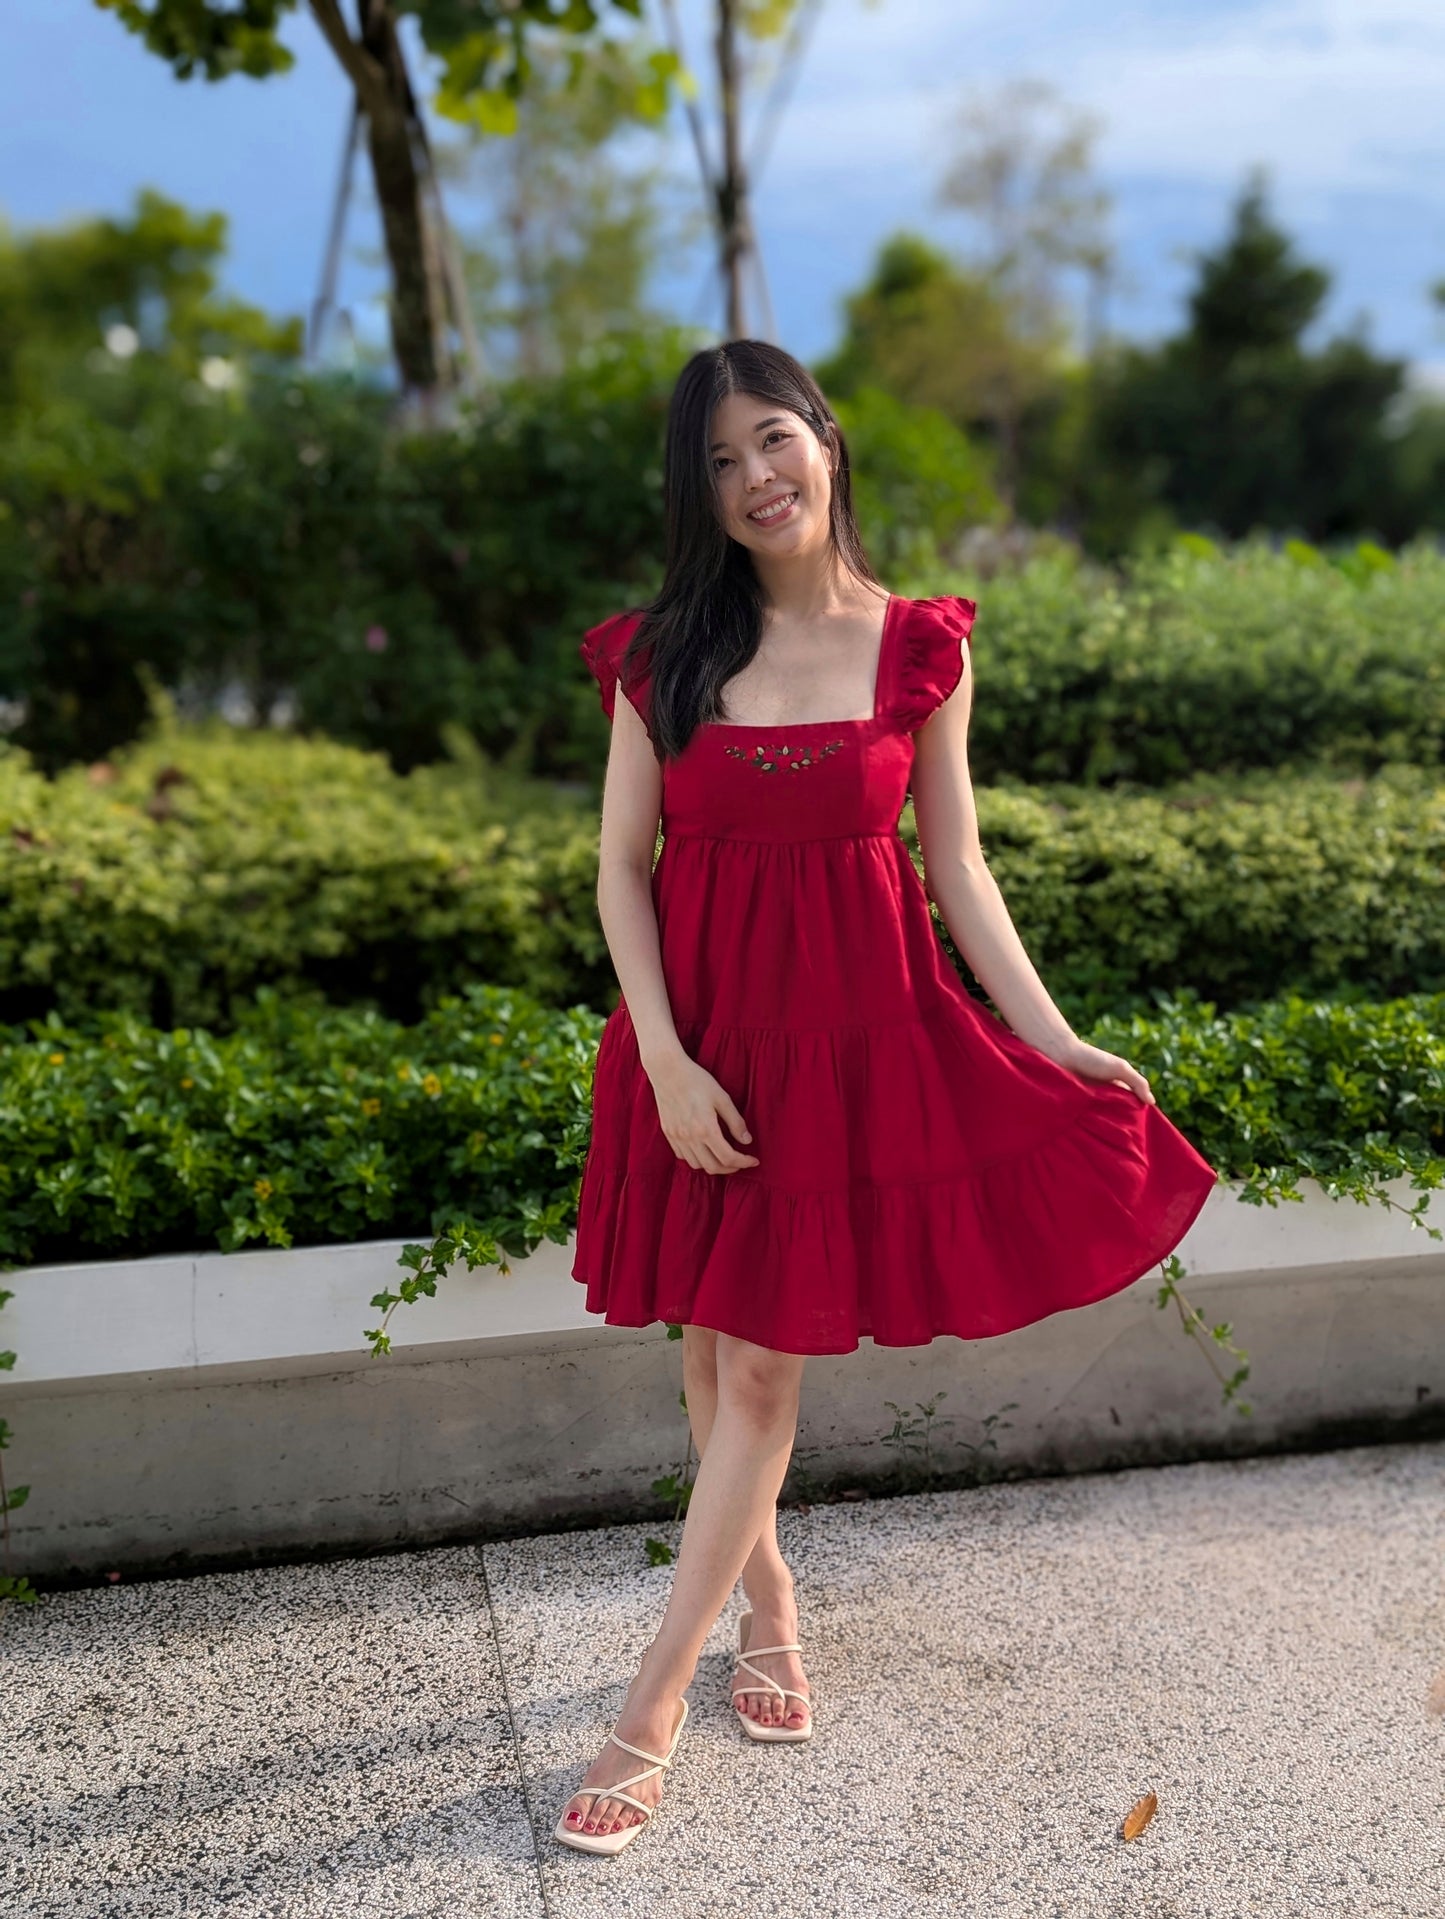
(578, 1809)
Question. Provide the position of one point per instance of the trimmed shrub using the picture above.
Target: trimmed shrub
(201, 866)
(1195, 660)
(313, 1125)
(1330, 886)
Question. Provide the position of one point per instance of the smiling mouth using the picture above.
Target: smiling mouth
(774, 511)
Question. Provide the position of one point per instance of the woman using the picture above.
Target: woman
(805, 1129)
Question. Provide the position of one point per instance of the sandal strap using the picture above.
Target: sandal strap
(783, 1692)
(769, 1684)
(611, 1792)
(614, 1792)
(758, 1651)
(640, 1753)
(616, 1789)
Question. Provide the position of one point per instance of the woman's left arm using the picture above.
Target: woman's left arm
(967, 895)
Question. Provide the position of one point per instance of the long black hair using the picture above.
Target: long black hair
(706, 622)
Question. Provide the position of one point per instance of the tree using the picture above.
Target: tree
(121, 366)
(987, 337)
(146, 285)
(569, 236)
(1235, 424)
(484, 50)
(935, 334)
(743, 30)
(1028, 189)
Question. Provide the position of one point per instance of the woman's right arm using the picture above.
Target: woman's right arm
(689, 1099)
(631, 811)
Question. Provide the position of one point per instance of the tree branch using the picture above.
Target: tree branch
(366, 74)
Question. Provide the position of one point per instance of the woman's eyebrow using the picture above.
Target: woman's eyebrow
(773, 419)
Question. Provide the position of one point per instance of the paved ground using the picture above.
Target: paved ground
(999, 1676)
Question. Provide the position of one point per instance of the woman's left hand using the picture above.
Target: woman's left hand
(1092, 1062)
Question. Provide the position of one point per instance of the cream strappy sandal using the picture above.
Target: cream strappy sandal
(624, 1835)
(751, 1726)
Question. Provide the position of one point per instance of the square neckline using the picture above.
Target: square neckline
(880, 691)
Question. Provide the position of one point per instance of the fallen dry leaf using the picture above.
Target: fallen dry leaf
(1139, 1815)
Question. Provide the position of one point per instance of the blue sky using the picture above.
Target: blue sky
(1339, 100)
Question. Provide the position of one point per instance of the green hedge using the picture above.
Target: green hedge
(309, 1124)
(306, 1123)
(1195, 660)
(213, 864)
(1233, 890)
(216, 862)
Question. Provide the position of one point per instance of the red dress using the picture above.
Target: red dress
(922, 1169)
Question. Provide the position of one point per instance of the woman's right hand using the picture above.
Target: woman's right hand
(689, 1103)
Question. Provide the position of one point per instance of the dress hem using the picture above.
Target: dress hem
(1106, 1291)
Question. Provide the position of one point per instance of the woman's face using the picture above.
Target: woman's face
(762, 455)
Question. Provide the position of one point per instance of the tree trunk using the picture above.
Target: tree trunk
(376, 67)
(732, 188)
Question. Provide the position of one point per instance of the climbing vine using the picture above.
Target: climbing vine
(13, 1586)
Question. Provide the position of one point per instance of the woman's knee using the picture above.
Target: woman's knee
(756, 1382)
(700, 1342)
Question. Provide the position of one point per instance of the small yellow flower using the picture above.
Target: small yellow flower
(186, 1085)
(371, 1107)
(431, 1086)
(496, 1039)
(528, 1060)
(403, 1071)
(263, 1189)
(57, 1059)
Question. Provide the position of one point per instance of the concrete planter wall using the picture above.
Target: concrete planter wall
(210, 1407)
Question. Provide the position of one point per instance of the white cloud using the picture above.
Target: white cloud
(1333, 94)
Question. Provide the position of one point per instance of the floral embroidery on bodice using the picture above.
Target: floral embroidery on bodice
(768, 759)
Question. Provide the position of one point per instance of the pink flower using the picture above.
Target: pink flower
(376, 639)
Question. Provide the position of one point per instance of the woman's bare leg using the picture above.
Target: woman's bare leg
(735, 1491)
(767, 1578)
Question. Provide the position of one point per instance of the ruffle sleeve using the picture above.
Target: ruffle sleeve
(602, 648)
(932, 658)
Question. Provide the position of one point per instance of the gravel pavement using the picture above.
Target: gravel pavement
(999, 1675)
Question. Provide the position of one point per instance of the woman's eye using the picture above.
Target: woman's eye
(777, 433)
